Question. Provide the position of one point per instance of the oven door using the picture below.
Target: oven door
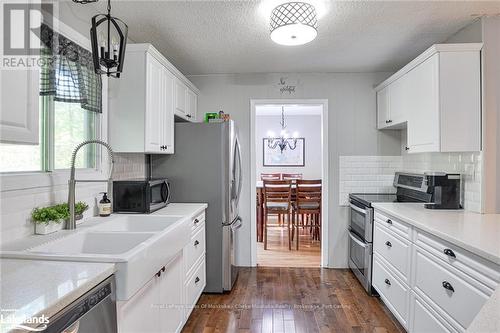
(361, 222)
(360, 260)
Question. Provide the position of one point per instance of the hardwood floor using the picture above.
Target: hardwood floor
(278, 254)
(273, 300)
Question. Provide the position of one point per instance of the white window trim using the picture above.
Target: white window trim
(27, 180)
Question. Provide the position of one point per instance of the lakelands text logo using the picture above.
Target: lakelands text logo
(11, 320)
(21, 27)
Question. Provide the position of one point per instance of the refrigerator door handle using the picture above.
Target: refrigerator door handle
(240, 178)
(237, 224)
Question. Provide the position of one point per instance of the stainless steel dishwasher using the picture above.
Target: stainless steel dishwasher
(94, 312)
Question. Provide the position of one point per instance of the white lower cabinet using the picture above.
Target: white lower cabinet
(439, 288)
(392, 290)
(194, 265)
(424, 319)
(165, 302)
(157, 307)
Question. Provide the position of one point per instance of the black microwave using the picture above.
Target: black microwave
(140, 195)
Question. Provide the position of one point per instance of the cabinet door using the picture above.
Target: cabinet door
(424, 319)
(154, 104)
(180, 97)
(192, 101)
(400, 102)
(141, 312)
(168, 112)
(171, 298)
(423, 123)
(383, 113)
(19, 110)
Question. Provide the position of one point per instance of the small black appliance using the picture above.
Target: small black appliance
(140, 195)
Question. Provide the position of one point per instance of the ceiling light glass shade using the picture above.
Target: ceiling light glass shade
(294, 23)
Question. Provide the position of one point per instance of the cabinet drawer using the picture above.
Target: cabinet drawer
(195, 249)
(195, 284)
(450, 290)
(197, 222)
(393, 292)
(395, 249)
(397, 226)
(486, 272)
(425, 319)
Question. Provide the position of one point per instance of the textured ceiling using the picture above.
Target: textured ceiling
(209, 37)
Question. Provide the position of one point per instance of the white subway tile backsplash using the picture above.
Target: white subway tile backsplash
(16, 206)
(368, 174)
(376, 173)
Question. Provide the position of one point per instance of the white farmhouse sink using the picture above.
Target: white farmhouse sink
(104, 243)
(138, 245)
(138, 223)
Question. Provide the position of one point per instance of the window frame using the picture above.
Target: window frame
(37, 179)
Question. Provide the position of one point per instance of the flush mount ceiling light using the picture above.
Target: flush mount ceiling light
(294, 23)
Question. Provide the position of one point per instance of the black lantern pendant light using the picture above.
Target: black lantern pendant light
(108, 36)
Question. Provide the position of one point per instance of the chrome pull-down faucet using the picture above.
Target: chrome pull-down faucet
(71, 223)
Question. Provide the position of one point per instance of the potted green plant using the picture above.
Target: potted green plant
(80, 207)
(48, 219)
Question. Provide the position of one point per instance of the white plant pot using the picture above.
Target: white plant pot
(44, 229)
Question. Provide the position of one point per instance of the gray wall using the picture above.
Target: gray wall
(351, 126)
(487, 31)
(491, 113)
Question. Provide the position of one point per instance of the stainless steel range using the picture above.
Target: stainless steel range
(409, 188)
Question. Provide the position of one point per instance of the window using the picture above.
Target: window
(70, 109)
(62, 126)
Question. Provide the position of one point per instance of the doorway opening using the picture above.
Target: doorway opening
(289, 173)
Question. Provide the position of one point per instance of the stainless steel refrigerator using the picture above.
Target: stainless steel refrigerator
(206, 167)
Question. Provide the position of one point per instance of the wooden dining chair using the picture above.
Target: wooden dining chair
(277, 200)
(291, 176)
(308, 204)
(270, 176)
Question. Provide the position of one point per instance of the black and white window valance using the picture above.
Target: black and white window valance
(68, 72)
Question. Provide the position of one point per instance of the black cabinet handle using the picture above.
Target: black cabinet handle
(388, 244)
(188, 115)
(387, 282)
(389, 221)
(449, 253)
(448, 286)
(196, 243)
(163, 269)
(407, 148)
(388, 121)
(196, 221)
(159, 273)
(197, 280)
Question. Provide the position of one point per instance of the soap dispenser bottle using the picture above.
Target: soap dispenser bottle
(104, 205)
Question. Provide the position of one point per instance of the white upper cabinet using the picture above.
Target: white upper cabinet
(180, 98)
(185, 102)
(192, 105)
(143, 102)
(437, 97)
(19, 109)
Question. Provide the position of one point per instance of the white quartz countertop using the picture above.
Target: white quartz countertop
(488, 319)
(477, 233)
(184, 209)
(31, 288)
